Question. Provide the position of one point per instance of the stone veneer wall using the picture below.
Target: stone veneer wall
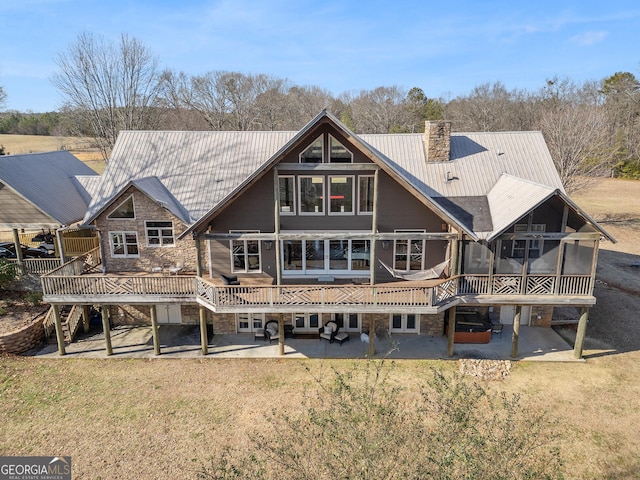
(437, 135)
(545, 313)
(145, 210)
(432, 325)
(141, 314)
(23, 339)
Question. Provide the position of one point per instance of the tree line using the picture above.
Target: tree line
(591, 128)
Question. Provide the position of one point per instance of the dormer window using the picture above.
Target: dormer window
(336, 151)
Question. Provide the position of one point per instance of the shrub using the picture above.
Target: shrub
(7, 274)
(359, 425)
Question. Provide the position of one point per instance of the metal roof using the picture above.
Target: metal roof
(198, 168)
(46, 181)
(491, 180)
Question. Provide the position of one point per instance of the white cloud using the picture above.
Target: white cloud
(589, 38)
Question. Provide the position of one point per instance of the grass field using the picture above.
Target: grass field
(164, 419)
(81, 147)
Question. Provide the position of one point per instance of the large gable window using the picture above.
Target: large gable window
(313, 153)
(159, 234)
(311, 195)
(124, 210)
(124, 244)
(338, 152)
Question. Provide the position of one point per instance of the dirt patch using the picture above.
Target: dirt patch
(16, 311)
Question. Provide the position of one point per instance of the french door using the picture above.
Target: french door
(315, 257)
(404, 323)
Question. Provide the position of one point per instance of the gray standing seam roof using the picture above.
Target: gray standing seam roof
(47, 180)
(198, 170)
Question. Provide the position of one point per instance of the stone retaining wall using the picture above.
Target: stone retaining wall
(23, 339)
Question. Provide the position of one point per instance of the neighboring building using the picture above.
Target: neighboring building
(314, 223)
(43, 192)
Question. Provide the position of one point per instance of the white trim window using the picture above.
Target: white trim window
(536, 245)
(338, 153)
(249, 322)
(341, 190)
(404, 323)
(159, 234)
(348, 322)
(287, 187)
(314, 153)
(408, 254)
(313, 257)
(306, 321)
(124, 210)
(124, 244)
(311, 190)
(365, 194)
(246, 255)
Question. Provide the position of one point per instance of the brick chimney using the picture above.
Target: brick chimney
(437, 138)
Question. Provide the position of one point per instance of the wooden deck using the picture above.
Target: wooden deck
(82, 282)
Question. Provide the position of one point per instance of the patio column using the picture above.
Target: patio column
(86, 311)
(581, 333)
(204, 339)
(280, 335)
(104, 311)
(156, 333)
(59, 333)
(516, 332)
(451, 331)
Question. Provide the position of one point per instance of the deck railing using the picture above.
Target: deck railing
(235, 296)
(574, 285)
(118, 285)
(37, 266)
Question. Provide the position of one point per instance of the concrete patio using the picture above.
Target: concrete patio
(183, 341)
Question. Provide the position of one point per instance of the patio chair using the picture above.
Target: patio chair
(230, 279)
(177, 269)
(331, 332)
(271, 330)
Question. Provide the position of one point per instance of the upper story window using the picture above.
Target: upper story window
(159, 234)
(335, 153)
(340, 195)
(365, 194)
(287, 195)
(245, 254)
(124, 210)
(311, 195)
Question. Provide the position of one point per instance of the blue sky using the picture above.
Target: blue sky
(445, 48)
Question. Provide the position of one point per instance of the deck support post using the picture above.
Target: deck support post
(516, 332)
(16, 241)
(155, 331)
(451, 331)
(86, 312)
(581, 333)
(104, 310)
(280, 335)
(204, 339)
(372, 337)
(59, 333)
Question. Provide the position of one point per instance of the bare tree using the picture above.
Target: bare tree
(114, 86)
(3, 97)
(382, 110)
